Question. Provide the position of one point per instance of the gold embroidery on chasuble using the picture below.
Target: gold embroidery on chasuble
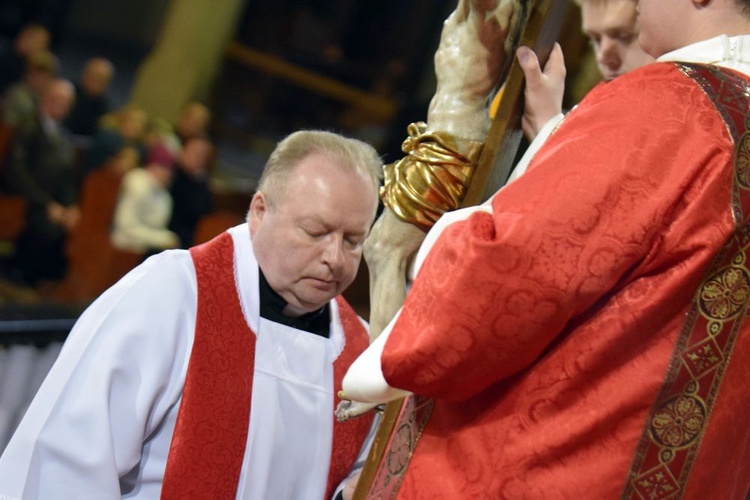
(676, 425)
(413, 416)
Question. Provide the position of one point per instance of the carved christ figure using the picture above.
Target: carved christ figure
(475, 46)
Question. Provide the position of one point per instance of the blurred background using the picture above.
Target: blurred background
(255, 71)
(264, 67)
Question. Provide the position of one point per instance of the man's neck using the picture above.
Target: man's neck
(273, 307)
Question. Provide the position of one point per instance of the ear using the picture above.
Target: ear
(258, 209)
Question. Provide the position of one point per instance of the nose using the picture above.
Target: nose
(333, 252)
(608, 54)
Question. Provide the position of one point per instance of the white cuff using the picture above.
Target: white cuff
(364, 381)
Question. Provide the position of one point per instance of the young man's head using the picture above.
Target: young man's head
(667, 25)
(612, 26)
(315, 204)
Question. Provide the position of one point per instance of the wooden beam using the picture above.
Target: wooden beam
(543, 24)
(501, 146)
(373, 105)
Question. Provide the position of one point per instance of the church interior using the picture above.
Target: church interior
(263, 69)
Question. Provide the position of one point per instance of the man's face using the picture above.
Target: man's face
(96, 79)
(612, 26)
(57, 101)
(194, 157)
(193, 121)
(309, 242)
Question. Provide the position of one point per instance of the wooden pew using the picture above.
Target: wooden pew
(12, 207)
(214, 224)
(94, 264)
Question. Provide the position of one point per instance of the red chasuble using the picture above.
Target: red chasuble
(588, 339)
(208, 446)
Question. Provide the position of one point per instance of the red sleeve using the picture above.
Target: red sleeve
(496, 290)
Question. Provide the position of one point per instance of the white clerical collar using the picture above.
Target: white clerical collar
(730, 52)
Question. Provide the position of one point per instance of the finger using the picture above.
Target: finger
(529, 63)
(478, 14)
(482, 7)
(462, 10)
(555, 66)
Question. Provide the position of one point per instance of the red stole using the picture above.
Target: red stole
(680, 416)
(208, 445)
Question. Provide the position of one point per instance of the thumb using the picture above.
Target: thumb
(529, 64)
(555, 66)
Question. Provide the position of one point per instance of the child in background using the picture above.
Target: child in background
(144, 206)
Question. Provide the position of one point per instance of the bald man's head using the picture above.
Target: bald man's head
(57, 98)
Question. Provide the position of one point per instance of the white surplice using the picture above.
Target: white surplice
(104, 418)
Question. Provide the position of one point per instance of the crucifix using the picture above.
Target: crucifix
(458, 158)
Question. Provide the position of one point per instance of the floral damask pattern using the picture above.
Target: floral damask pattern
(670, 442)
(657, 484)
(743, 162)
(678, 421)
(725, 294)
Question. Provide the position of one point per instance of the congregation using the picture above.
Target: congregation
(581, 333)
(63, 146)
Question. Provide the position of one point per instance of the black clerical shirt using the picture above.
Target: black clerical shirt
(272, 305)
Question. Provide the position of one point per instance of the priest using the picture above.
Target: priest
(213, 372)
(584, 334)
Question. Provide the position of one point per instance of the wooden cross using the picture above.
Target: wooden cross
(543, 24)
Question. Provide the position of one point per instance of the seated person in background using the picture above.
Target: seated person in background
(191, 195)
(91, 99)
(136, 407)
(160, 131)
(41, 168)
(193, 121)
(145, 205)
(125, 160)
(123, 128)
(32, 38)
(21, 100)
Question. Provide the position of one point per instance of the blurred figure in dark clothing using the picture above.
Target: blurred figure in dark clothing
(20, 102)
(191, 195)
(32, 38)
(41, 168)
(91, 98)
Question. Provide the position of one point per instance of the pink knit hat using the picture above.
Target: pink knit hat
(161, 155)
